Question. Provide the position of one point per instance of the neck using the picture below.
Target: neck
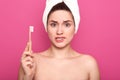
(61, 52)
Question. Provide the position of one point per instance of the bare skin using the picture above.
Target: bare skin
(74, 67)
(60, 61)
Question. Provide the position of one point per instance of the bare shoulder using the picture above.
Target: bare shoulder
(91, 65)
(89, 60)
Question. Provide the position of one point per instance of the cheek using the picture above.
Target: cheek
(71, 32)
(51, 30)
(70, 35)
(51, 34)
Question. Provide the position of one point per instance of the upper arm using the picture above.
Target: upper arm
(93, 69)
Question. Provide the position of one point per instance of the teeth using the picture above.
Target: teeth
(59, 38)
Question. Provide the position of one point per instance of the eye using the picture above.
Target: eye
(67, 24)
(53, 24)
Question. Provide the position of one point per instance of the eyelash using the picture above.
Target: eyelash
(67, 24)
(53, 24)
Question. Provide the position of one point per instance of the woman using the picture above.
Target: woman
(60, 61)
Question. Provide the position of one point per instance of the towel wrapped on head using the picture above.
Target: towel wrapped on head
(71, 4)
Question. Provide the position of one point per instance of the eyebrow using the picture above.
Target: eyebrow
(63, 21)
(53, 21)
(67, 21)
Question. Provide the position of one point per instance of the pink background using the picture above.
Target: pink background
(98, 35)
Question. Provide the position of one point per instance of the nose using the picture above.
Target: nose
(59, 30)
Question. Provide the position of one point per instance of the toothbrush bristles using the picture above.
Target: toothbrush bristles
(31, 28)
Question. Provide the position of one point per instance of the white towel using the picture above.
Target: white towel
(71, 4)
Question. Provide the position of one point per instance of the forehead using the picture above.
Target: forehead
(60, 15)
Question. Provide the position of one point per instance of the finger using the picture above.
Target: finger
(27, 47)
(30, 46)
(27, 54)
(29, 64)
(29, 59)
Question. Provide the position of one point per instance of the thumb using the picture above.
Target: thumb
(30, 46)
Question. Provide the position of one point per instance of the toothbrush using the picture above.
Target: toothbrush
(31, 29)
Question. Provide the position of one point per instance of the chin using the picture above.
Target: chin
(61, 45)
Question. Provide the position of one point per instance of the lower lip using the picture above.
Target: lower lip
(59, 40)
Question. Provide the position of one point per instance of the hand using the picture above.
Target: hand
(27, 62)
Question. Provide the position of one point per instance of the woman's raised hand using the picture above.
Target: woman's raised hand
(27, 61)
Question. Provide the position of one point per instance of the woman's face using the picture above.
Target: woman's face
(60, 28)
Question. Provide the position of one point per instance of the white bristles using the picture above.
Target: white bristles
(31, 28)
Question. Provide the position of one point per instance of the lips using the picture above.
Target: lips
(59, 39)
